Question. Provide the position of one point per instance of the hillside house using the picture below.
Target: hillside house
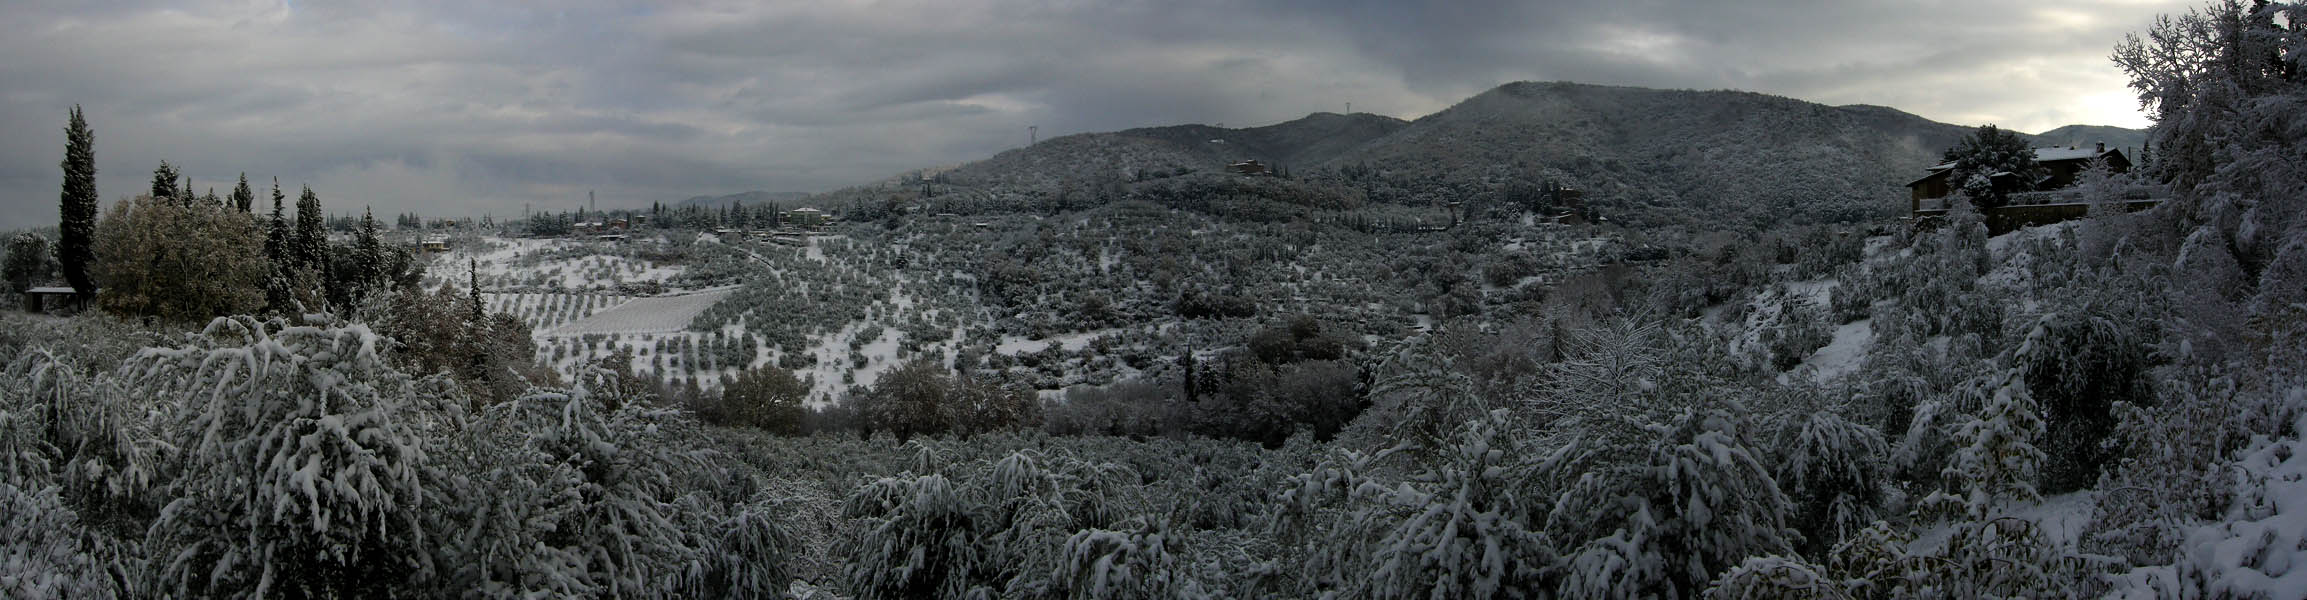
(1249, 167)
(2056, 169)
(1563, 218)
(2051, 202)
(805, 217)
(434, 243)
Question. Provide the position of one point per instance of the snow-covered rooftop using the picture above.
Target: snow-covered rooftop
(2041, 154)
(2065, 153)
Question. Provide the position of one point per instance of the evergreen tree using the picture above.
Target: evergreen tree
(29, 261)
(309, 245)
(164, 181)
(369, 257)
(276, 231)
(185, 197)
(77, 209)
(474, 273)
(1984, 153)
(211, 199)
(276, 254)
(241, 196)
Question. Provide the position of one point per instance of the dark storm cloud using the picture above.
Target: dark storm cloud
(462, 108)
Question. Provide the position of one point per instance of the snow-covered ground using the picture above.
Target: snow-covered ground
(1843, 355)
(552, 264)
(659, 314)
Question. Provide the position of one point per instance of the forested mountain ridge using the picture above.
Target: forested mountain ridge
(2127, 140)
(1311, 140)
(1671, 155)
(1644, 155)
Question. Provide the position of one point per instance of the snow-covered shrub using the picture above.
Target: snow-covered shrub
(1606, 388)
(1268, 403)
(2258, 547)
(751, 557)
(1132, 563)
(1833, 470)
(1423, 396)
(61, 427)
(2169, 474)
(581, 500)
(1768, 577)
(2091, 350)
(2002, 557)
(1458, 525)
(2283, 282)
(1995, 459)
(1695, 502)
(1854, 294)
(999, 533)
(1801, 329)
(303, 462)
(769, 398)
(47, 552)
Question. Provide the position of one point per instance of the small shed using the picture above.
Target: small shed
(52, 298)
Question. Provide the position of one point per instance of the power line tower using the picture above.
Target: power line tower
(1032, 134)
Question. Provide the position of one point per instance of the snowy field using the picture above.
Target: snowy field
(660, 314)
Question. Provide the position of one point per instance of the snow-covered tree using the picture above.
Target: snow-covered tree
(304, 463)
(1995, 459)
(1986, 153)
(29, 261)
(1833, 470)
(179, 263)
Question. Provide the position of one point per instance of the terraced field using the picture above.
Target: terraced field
(655, 314)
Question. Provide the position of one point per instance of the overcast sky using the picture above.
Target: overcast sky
(456, 108)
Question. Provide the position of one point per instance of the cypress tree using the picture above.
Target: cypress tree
(309, 246)
(476, 331)
(276, 252)
(186, 197)
(76, 212)
(241, 196)
(479, 313)
(276, 230)
(368, 253)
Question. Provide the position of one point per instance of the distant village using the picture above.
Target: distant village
(730, 224)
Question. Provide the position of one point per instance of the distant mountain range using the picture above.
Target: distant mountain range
(1695, 157)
